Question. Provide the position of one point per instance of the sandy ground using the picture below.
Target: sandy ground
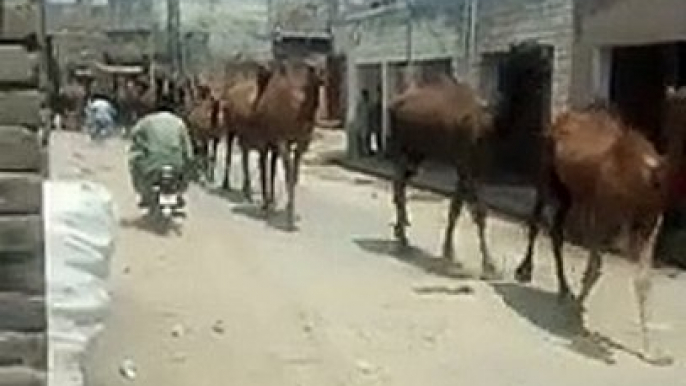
(236, 301)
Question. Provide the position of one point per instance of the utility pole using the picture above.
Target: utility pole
(271, 22)
(174, 35)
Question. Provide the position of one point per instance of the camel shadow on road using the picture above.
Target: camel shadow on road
(544, 310)
(540, 308)
(277, 219)
(145, 224)
(233, 196)
(415, 257)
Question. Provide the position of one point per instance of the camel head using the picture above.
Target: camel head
(486, 116)
(265, 71)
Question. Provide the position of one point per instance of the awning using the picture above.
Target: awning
(119, 70)
(83, 73)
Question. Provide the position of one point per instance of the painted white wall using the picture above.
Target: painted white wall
(234, 25)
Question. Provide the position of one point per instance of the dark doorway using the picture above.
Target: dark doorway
(639, 77)
(524, 91)
(334, 84)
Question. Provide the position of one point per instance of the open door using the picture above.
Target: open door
(524, 91)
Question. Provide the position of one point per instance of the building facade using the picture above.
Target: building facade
(627, 52)
(131, 14)
(378, 41)
(77, 31)
(224, 28)
(387, 41)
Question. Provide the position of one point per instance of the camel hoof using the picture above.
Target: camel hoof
(403, 244)
(268, 208)
(490, 273)
(523, 275)
(565, 296)
(571, 303)
(658, 359)
(399, 233)
(247, 195)
(448, 254)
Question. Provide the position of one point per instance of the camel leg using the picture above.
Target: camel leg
(247, 186)
(297, 157)
(404, 171)
(272, 173)
(207, 147)
(557, 239)
(289, 170)
(456, 204)
(469, 188)
(212, 158)
(524, 272)
(594, 265)
(264, 177)
(199, 162)
(642, 245)
(479, 215)
(205, 159)
(229, 154)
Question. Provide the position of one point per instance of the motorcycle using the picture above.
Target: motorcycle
(167, 201)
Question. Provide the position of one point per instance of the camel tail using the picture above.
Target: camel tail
(393, 147)
(214, 113)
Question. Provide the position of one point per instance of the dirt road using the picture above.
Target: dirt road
(234, 301)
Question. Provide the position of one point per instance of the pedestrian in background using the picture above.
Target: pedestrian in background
(362, 124)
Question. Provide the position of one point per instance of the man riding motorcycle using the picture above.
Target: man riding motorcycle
(158, 139)
(100, 116)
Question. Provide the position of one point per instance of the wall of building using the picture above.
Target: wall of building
(603, 24)
(61, 16)
(77, 31)
(389, 36)
(398, 37)
(23, 320)
(77, 48)
(438, 31)
(502, 23)
(234, 26)
(301, 15)
(131, 13)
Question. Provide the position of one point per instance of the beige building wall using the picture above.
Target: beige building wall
(619, 23)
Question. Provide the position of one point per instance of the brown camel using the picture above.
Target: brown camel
(614, 179)
(237, 104)
(203, 122)
(239, 120)
(147, 97)
(288, 97)
(74, 97)
(128, 95)
(443, 119)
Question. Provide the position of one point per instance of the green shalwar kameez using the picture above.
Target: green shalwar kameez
(157, 140)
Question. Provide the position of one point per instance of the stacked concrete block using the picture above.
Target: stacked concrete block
(23, 321)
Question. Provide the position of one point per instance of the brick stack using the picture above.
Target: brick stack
(23, 321)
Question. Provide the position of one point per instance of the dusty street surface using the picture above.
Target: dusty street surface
(234, 301)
